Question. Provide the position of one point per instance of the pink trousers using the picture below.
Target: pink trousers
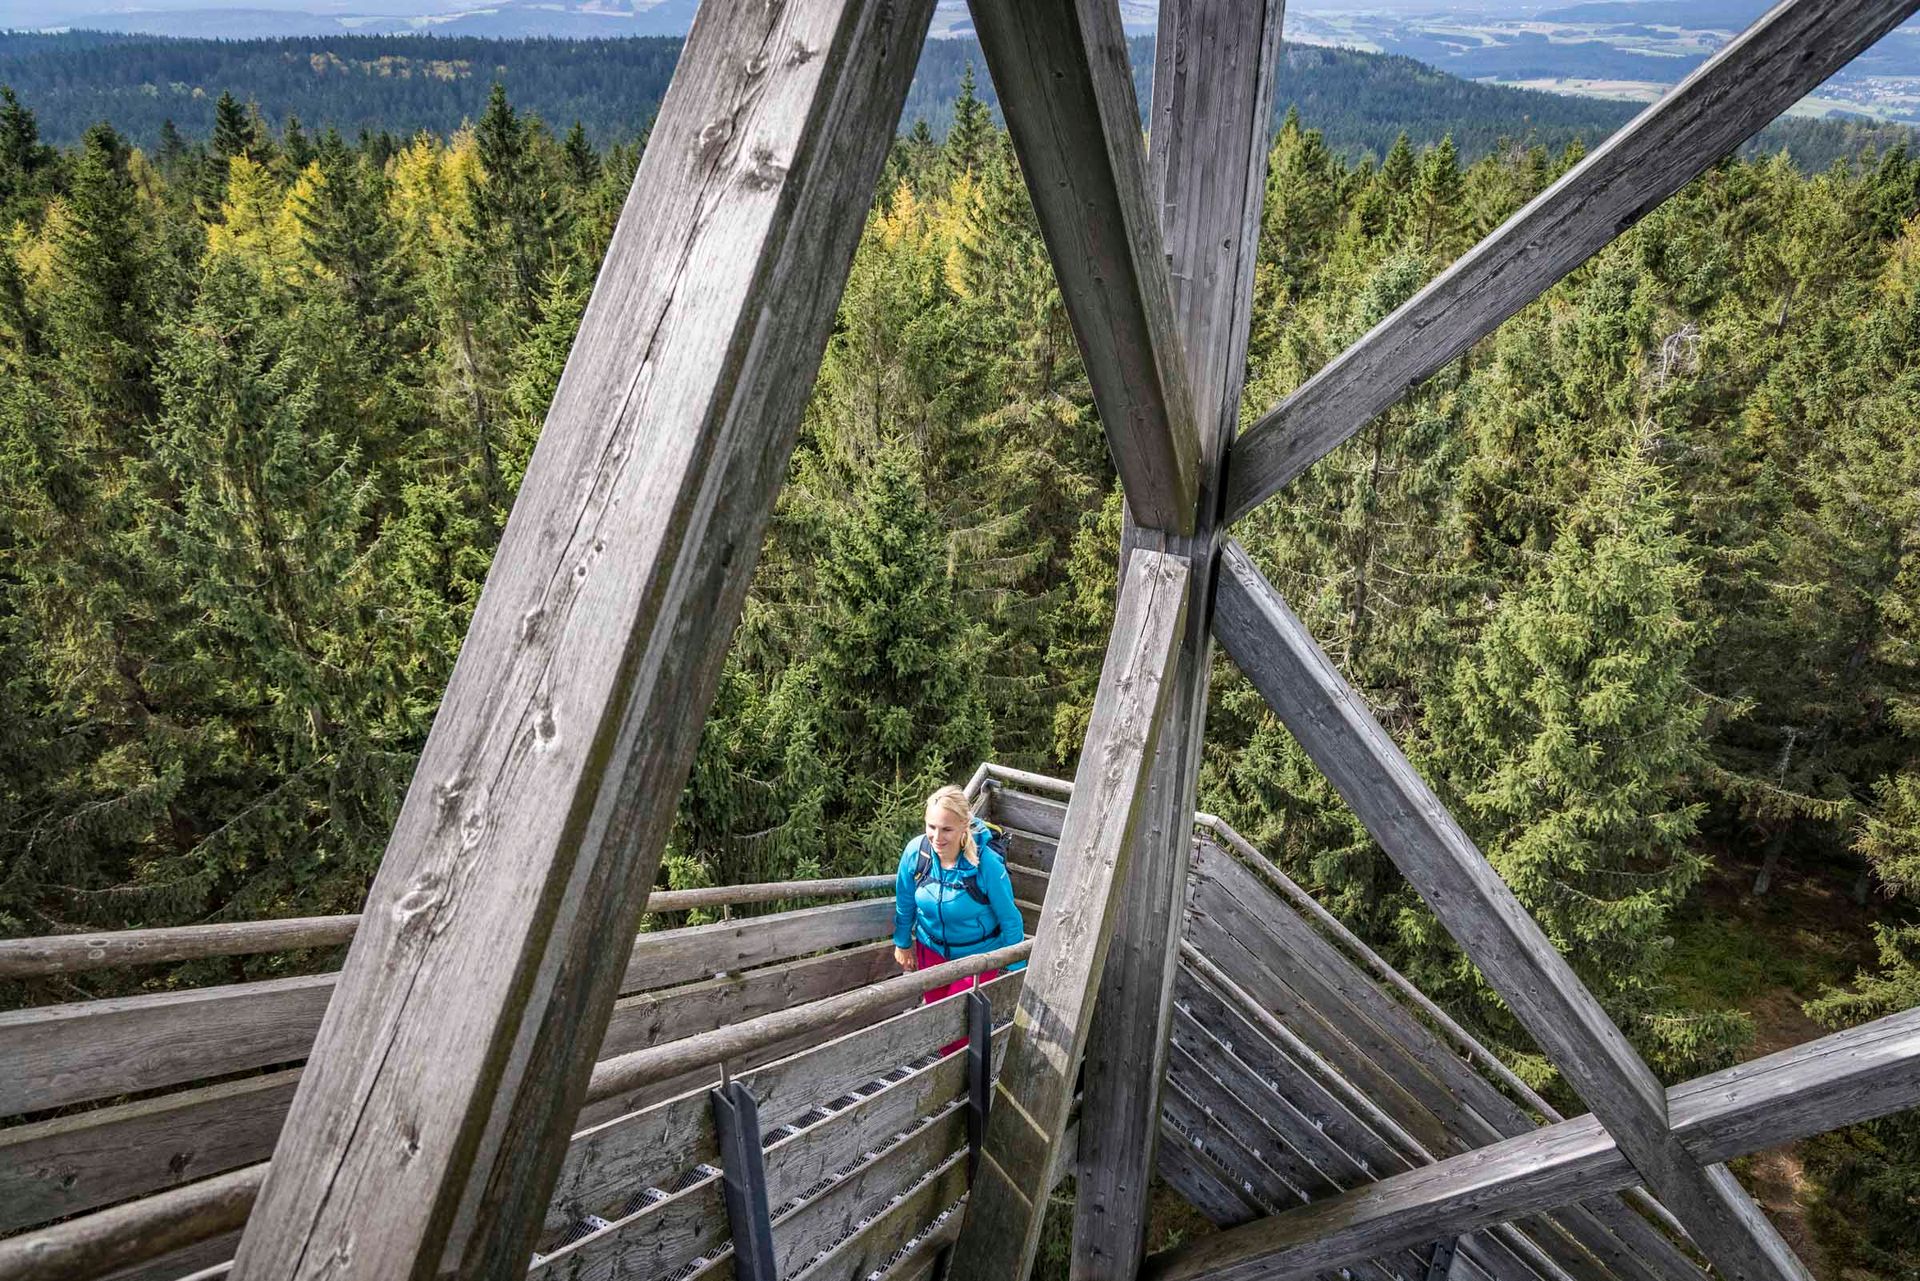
(924, 957)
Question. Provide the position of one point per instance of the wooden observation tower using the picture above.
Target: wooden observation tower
(503, 1073)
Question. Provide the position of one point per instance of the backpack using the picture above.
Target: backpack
(993, 840)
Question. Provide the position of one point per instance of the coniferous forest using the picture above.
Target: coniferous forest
(1636, 582)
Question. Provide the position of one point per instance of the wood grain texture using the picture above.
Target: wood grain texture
(1214, 71)
(604, 1164)
(1032, 814)
(1330, 720)
(709, 1049)
(1781, 58)
(1474, 1112)
(1035, 1091)
(60, 1054)
(71, 1164)
(1200, 1182)
(110, 1240)
(1061, 70)
(78, 953)
(434, 1113)
(655, 1018)
(1360, 1123)
(1837, 1080)
(670, 957)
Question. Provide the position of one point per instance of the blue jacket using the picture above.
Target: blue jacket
(940, 913)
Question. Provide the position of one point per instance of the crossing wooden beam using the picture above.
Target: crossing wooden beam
(433, 1114)
(1331, 721)
(1842, 1079)
(1066, 88)
(1778, 60)
(1035, 1091)
(1213, 82)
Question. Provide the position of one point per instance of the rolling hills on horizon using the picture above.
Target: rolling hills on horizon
(405, 83)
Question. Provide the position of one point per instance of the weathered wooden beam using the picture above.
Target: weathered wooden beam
(60, 1054)
(1838, 1080)
(116, 949)
(434, 1112)
(1061, 70)
(1035, 1091)
(1330, 720)
(1778, 60)
(1214, 69)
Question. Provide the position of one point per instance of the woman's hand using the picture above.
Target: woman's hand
(903, 957)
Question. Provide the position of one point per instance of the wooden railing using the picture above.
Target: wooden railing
(804, 1007)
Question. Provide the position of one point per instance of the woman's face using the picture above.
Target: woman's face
(943, 833)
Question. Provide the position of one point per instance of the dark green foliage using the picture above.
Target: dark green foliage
(1635, 582)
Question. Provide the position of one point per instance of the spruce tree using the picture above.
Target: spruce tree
(105, 311)
(896, 661)
(1575, 736)
(972, 129)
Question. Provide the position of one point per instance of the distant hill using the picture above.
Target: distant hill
(406, 83)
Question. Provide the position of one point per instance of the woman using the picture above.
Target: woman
(952, 897)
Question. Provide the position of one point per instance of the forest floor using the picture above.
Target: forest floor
(1767, 955)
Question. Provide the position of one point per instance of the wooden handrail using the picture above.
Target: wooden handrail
(663, 1062)
(75, 953)
(141, 1230)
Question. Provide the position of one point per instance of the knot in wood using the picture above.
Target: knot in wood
(416, 903)
(713, 138)
(765, 171)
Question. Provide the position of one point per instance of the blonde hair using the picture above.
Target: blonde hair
(954, 801)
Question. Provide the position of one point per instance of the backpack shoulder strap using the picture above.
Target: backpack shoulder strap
(923, 863)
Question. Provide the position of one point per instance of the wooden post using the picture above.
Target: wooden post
(1050, 1024)
(1214, 72)
(1780, 59)
(1329, 719)
(434, 1112)
(1060, 68)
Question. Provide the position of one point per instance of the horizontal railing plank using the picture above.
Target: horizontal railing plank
(51, 1056)
(656, 1018)
(70, 1164)
(145, 1229)
(648, 1147)
(55, 1055)
(78, 953)
(1028, 813)
(671, 957)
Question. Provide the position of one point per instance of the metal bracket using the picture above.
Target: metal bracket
(979, 1073)
(1442, 1266)
(743, 1182)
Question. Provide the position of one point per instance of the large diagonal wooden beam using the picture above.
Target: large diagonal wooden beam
(1838, 1080)
(433, 1114)
(1213, 82)
(1061, 70)
(1727, 99)
(1331, 721)
(1036, 1086)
